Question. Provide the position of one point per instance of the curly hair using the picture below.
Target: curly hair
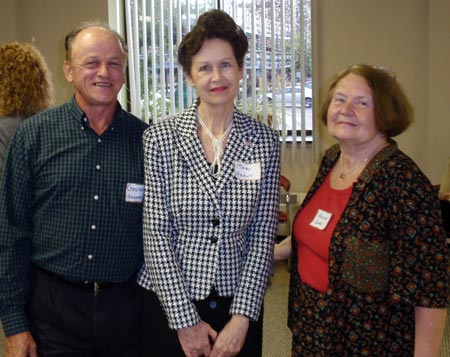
(25, 82)
(393, 111)
(210, 25)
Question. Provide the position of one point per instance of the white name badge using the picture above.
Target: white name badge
(134, 193)
(244, 171)
(321, 219)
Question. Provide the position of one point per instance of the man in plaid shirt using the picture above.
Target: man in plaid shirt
(70, 214)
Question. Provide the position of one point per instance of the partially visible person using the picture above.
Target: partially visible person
(444, 189)
(370, 266)
(25, 89)
(71, 214)
(211, 206)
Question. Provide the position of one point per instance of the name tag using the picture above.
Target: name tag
(321, 219)
(244, 171)
(134, 193)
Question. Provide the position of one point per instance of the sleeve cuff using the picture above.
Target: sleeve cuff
(14, 323)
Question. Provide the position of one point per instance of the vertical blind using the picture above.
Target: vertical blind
(276, 88)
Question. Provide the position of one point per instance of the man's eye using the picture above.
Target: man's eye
(226, 64)
(204, 68)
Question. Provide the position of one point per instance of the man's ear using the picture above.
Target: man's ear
(68, 71)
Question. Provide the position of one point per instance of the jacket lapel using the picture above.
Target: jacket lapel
(192, 151)
(239, 148)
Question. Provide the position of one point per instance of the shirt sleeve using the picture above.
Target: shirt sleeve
(257, 266)
(15, 236)
(419, 253)
(165, 277)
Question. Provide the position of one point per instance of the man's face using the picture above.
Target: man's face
(96, 68)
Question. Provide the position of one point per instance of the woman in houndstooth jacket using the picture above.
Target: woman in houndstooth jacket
(210, 212)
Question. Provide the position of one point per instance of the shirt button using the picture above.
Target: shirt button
(93, 227)
(212, 304)
(215, 222)
(90, 257)
(96, 197)
(99, 140)
(213, 239)
(97, 167)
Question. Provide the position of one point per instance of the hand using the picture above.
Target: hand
(21, 345)
(232, 337)
(195, 340)
(282, 250)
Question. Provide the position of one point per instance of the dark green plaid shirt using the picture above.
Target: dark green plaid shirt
(69, 203)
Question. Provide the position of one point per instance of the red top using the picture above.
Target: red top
(313, 228)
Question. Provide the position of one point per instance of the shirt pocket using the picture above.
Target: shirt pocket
(366, 265)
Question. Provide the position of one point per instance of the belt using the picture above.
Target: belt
(94, 286)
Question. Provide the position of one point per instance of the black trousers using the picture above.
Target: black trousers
(68, 320)
(160, 341)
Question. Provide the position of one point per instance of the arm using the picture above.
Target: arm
(166, 277)
(283, 250)
(15, 236)
(416, 211)
(444, 190)
(430, 324)
(260, 236)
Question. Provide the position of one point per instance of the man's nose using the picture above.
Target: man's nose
(102, 69)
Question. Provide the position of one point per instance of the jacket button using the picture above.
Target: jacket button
(215, 222)
(213, 239)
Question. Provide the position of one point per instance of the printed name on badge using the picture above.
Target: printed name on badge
(134, 193)
(321, 219)
(245, 171)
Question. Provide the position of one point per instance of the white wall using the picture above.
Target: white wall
(408, 36)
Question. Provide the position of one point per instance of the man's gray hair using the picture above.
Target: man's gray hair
(89, 24)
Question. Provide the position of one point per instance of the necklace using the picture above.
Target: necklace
(343, 175)
(217, 144)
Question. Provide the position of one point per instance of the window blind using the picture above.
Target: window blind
(276, 88)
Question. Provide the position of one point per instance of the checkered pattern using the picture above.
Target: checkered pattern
(62, 204)
(200, 232)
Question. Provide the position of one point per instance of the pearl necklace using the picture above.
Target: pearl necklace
(343, 175)
(217, 144)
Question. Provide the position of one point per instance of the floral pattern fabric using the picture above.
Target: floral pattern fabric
(387, 255)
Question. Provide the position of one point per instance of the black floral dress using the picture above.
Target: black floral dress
(387, 255)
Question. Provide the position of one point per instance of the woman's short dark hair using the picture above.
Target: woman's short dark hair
(210, 25)
(393, 111)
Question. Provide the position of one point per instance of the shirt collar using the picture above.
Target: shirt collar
(80, 116)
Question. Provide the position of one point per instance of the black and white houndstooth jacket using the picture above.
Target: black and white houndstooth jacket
(201, 232)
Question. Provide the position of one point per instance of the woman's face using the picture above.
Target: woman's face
(350, 116)
(215, 73)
